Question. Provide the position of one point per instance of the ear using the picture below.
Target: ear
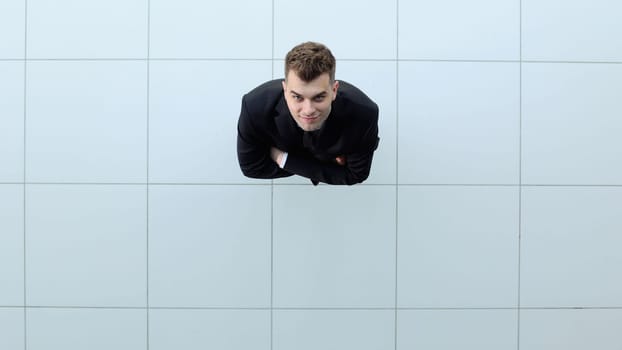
(335, 87)
(284, 86)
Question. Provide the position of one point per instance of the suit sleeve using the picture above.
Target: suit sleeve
(254, 150)
(356, 169)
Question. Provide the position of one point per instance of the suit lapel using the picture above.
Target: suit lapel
(289, 133)
(331, 131)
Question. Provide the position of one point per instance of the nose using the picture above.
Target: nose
(307, 108)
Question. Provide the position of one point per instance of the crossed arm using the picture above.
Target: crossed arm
(279, 157)
(343, 170)
(259, 159)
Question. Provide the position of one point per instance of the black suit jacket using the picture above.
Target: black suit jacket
(351, 130)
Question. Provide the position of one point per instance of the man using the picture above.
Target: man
(308, 124)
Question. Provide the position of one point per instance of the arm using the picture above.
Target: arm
(254, 153)
(355, 170)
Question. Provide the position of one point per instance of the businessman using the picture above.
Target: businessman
(308, 124)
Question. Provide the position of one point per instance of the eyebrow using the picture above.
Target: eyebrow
(321, 94)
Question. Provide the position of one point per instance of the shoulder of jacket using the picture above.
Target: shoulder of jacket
(269, 91)
(356, 100)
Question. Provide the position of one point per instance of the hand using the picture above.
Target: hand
(341, 160)
(276, 155)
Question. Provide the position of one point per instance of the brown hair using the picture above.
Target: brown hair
(310, 60)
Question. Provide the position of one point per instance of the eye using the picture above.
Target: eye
(319, 98)
(297, 97)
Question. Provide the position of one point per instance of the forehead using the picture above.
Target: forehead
(315, 86)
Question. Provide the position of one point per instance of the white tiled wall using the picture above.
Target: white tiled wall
(114, 29)
(334, 329)
(12, 29)
(86, 121)
(491, 219)
(209, 246)
(12, 119)
(74, 329)
(86, 245)
(459, 122)
(459, 30)
(12, 245)
(447, 329)
(458, 247)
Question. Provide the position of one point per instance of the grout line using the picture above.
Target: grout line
(272, 211)
(509, 308)
(341, 59)
(138, 183)
(568, 62)
(24, 168)
(273, 46)
(522, 185)
(520, 165)
(138, 307)
(147, 314)
(533, 308)
(397, 108)
(137, 59)
(507, 61)
(271, 266)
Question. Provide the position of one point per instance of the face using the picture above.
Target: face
(309, 102)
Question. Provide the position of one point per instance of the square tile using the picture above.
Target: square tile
(12, 245)
(194, 110)
(570, 250)
(86, 245)
(12, 121)
(458, 246)
(579, 30)
(377, 80)
(334, 329)
(458, 123)
(209, 329)
(571, 124)
(368, 31)
(570, 329)
(86, 121)
(334, 246)
(93, 329)
(209, 246)
(87, 29)
(471, 30)
(12, 28)
(206, 29)
(457, 329)
(12, 329)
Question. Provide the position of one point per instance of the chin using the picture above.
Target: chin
(312, 127)
(308, 127)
